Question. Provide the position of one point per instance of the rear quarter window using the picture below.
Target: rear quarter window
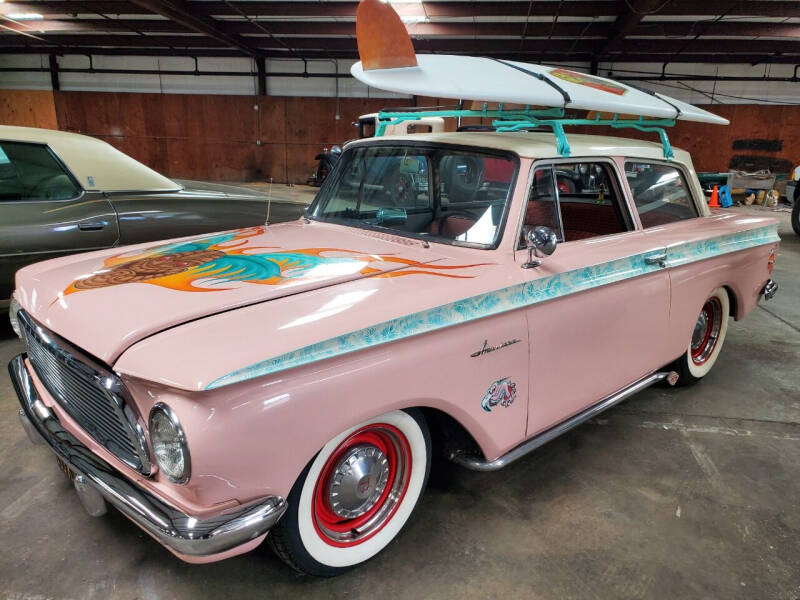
(660, 193)
(31, 172)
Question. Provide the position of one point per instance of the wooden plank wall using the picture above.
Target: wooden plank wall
(246, 138)
(719, 148)
(29, 108)
(221, 138)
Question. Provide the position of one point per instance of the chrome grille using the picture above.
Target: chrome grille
(89, 393)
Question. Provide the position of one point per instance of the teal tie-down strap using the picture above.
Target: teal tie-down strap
(517, 120)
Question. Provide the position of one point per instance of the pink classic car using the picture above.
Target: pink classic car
(470, 294)
(296, 379)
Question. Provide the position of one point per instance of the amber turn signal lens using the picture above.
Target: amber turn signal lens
(771, 262)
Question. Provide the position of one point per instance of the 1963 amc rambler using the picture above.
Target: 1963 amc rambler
(296, 379)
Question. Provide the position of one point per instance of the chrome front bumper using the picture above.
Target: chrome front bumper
(178, 531)
(769, 290)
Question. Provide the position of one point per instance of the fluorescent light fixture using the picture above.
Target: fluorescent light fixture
(415, 19)
(25, 16)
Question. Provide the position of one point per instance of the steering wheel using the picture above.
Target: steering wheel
(565, 185)
(401, 190)
(464, 175)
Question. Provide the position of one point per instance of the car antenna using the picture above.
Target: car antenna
(269, 199)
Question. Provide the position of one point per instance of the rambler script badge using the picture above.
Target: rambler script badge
(487, 348)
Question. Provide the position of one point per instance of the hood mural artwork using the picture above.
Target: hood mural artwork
(208, 264)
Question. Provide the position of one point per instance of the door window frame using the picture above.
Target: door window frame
(682, 169)
(621, 189)
(80, 189)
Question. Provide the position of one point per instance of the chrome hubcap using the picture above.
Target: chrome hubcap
(706, 331)
(358, 481)
(700, 330)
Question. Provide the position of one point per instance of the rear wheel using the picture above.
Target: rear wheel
(707, 339)
(354, 497)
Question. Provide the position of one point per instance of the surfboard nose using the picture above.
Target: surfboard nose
(383, 41)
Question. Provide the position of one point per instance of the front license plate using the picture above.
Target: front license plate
(66, 470)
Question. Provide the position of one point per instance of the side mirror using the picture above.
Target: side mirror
(542, 241)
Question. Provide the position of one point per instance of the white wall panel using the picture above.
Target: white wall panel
(24, 80)
(696, 92)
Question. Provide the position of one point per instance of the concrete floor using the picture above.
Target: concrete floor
(690, 493)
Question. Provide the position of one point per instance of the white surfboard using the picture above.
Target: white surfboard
(493, 80)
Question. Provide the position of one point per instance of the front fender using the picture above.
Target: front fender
(252, 439)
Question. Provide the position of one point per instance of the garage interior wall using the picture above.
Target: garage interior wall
(215, 127)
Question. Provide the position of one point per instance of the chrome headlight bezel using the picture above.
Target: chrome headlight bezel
(13, 310)
(164, 410)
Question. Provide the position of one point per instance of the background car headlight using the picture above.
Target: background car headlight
(169, 444)
(13, 309)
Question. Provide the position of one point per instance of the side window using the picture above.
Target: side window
(31, 172)
(660, 193)
(541, 208)
(588, 196)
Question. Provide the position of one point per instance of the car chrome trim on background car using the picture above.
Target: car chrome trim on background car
(499, 301)
(479, 464)
(173, 528)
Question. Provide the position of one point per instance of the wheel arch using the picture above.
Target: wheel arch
(734, 301)
(448, 434)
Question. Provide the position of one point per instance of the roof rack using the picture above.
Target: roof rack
(525, 119)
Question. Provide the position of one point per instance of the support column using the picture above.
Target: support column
(54, 82)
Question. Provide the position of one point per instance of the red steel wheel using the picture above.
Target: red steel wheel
(355, 496)
(706, 331)
(706, 340)
(361, 485)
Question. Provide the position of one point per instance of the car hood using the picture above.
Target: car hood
(221, 189)
(103, 302)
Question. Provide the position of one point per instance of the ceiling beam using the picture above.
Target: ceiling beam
(572, 29)
(433, 9)
(486, 46)
(574, 57)
(626, 22)
(176, 10)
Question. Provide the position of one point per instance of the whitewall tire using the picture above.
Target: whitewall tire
(707, 338)
(354, 497)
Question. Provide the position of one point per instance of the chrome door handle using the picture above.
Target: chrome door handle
(656, 259)
(92, 226)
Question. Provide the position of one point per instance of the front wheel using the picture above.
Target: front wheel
(707, 339)
(353, 498)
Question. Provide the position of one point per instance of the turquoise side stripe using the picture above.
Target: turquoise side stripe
(500, 301)
(693, 251)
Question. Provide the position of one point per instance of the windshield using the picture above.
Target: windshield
(393, 187)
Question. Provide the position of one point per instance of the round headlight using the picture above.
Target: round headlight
(169, 444)
(13, 309)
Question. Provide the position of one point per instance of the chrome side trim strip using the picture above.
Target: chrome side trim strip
(503, 300)
(479, 464)
(171, 527)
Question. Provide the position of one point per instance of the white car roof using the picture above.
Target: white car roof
(543, 144)
(94, 163)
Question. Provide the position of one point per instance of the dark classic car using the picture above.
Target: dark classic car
(62, 193)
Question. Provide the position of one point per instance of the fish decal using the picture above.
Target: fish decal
(593, 82)
(502, 392)
(209, 264)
